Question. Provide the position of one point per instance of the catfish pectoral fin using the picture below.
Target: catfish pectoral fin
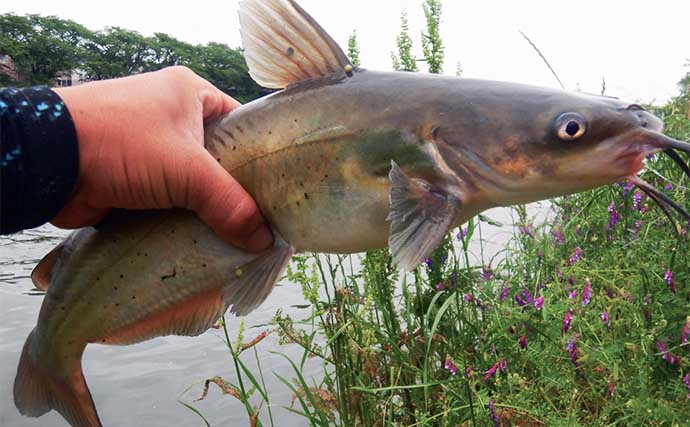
(420, 218)
(37, 391)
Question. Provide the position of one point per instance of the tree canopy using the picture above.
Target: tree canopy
(43, 46)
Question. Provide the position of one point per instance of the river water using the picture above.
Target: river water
(141, 385)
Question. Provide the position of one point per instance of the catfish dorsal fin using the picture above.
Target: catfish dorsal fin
(284, 45)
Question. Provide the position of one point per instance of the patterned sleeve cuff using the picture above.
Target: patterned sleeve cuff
(39, 157)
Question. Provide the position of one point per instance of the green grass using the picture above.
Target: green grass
(426, 349)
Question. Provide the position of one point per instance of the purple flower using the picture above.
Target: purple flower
(504, 293)
(469, 297)
(647, 299)
(610, 292)
(519, 301)
(528, 296)
(492, 413)
(685, 334)
(614, 218)
(487, 274)
(539, 303)
(637, 201)
(627, 187)
(668, 277)
(611, 387)
(573, 294)
(468, 373)
(429, 263)
(605, 318)
(528, 230)
(668, 186)
(666, 355)
(636, 231)
(462, 233)
(573, 352)
(490, 373)
(567, 319)
(523, 341)
(686, 381)
(440, 287)
(500, 365)
(558, 237)
(587, 293)
(450, 366)
(575, 257)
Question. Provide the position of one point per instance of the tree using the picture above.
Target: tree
(432, 44)
(227, 70)
(353, 49)
(116, 52)
(167, 51)
(42, 46)
(404, 61)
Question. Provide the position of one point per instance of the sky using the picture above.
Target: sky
(640, 48)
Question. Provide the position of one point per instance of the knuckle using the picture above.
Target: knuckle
(180, 72)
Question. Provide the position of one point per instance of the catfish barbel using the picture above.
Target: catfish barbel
(342, 160)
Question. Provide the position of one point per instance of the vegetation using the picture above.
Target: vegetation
(42, 47)
(404, 60)
(353, 49)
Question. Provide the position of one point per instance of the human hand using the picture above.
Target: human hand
(141, 146)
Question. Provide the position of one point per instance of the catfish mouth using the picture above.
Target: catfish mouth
(649, 142)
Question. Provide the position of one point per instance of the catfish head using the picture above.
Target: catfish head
(518, 144)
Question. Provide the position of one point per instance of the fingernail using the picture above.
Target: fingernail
(261, 240)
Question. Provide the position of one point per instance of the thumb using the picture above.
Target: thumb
(222, 203)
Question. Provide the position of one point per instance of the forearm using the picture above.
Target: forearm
(39, 157)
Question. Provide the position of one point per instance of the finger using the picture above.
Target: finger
(76, 215)
(226, 207)
(216, 103)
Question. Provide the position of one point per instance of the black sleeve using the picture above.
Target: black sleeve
(39, 157)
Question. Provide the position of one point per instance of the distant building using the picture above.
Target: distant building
(7, 67)
(69, 78)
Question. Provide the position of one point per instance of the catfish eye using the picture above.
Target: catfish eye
(571, 126)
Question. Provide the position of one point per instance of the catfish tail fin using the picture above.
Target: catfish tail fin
(37, 391)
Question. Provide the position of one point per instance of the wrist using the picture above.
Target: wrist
(82, 102)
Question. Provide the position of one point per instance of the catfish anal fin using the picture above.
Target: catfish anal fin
(420, 218)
